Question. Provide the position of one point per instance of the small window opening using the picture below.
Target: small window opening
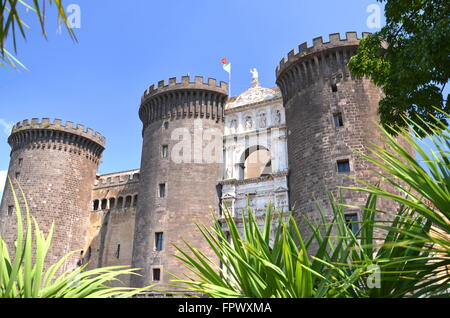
(159, 237)
(334, 88)
(118, 251)
(338, 121)
(343, 166)
(162, 190)
(156, 274)
(352, 222)
(165, 151)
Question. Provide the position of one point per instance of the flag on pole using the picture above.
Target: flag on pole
(226, 65)
(227, 68)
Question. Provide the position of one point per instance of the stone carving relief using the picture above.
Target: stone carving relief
(277, 117)
(248, 123)
(229, 173)
(233, 124)
(262, 120)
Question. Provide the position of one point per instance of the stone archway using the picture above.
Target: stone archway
(255, 161)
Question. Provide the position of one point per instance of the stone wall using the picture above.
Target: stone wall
(317, 88)
(111, 222)
(55, 165)
(171, 117)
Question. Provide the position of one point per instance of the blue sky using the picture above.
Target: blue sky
(125, 46)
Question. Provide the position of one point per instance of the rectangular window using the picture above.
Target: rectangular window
(159, 238)
(343, 166)
(20, 162)
(17, 175)
(352, 222)
(156, 274)
(118, 251)
(162, 190)
(334, 88)
(165, 151)
(338, 121)
(10, 210)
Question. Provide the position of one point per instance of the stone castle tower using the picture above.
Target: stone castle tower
(177, 184)
(328, 114)
(56, 166)
(198, 151)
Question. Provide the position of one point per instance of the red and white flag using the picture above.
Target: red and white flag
(226, 65)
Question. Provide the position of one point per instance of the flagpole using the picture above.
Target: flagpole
(227, 68)
(229, 84)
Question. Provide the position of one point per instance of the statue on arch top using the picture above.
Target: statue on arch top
(255, 77)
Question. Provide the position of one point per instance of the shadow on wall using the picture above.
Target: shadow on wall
(111, 232)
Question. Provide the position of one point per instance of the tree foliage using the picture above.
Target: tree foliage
(13, 25)
(409, 59)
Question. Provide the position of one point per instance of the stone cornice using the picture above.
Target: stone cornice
(270, 177)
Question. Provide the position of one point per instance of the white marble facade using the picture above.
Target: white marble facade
(255, 121)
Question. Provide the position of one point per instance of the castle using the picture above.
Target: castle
(201, 151)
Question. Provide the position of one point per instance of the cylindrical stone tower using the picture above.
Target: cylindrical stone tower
(56, 166)
(328, 113)
(181, 167)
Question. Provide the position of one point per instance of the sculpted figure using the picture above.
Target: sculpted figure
(248, 123)
(233, 124)
(277, 117)
(262, 121)
(255, 77)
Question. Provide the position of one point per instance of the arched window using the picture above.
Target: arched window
(112, 203)
(120, 203)
(135, 200)
(128, 202)
(256, 162)
(104, 204)
(96, 205)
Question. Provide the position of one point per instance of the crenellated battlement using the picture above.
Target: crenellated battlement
(198, 83)
(184, 99)
(318, 45)
(116, 179)
(323, 62)
(58, 125)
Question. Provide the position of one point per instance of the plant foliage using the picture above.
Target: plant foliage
(25, 276)
(403, 253)
(12, 24)
(409, 59)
